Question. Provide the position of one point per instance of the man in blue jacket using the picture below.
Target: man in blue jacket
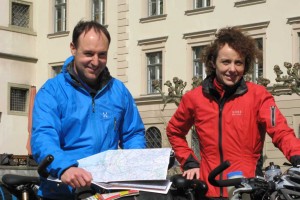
(81, 112)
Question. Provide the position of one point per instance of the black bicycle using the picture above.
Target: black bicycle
(284, 186)
(25, 187)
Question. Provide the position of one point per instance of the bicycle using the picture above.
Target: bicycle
(285, 186)
(25, 187)
(183, 188)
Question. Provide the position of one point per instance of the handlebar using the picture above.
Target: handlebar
(223, 183)
(42, 167)
(193, 189)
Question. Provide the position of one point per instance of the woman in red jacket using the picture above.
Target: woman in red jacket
(230, 115)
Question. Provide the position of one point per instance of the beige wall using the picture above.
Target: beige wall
(133, 35)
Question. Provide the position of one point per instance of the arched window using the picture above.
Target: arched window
(153, 138)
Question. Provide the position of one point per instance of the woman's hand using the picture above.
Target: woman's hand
(192, 173)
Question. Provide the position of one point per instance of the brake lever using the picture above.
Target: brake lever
(245, 189)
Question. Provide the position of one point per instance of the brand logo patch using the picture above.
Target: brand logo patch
(237, 113)
(105, 115)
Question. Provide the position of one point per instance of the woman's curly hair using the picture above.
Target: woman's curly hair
(243, 44)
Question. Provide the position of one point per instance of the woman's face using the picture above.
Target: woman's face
(230, 66)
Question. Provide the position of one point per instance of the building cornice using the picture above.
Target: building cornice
(18, 57)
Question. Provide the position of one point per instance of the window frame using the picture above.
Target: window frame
(150, 46)
(257, 30)
(52, 72)
(157, 133)
(242, 3)
(101, 12)
(204, 4)
(64, 18)
(21, 87)
(197, 59)
(294, 22)
(159, 7)
(256, 70)
(30, 21)
(157, 66)
(194, 40)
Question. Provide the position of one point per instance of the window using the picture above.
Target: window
(98, 11)
(201, 3)
(154, 70)
(60, 16)
(298, 47)
(294, 22)
(258, 66)
(56, 70)
(21, 14)
(296, 124)
(155, 7)
(18, 99)
(198, 65)
(258, 32)
(197, 42)
(153, 138)
(153, 50)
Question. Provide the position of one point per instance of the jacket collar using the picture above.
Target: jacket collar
(70, 74)
(208, 87)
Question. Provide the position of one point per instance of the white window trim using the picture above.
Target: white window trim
(157, 8)
(295, 26)
(203, 6)
(203, 65)
(195, 39)
(150, 46)
(21, 86)
(51, 73)
(242, 3)
(192, 10)
(103, 15)
(64, 20)
(258, 30)
(19, 28)
(157, 72)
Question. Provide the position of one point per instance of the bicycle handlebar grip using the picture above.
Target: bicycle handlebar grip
(42, 167)
(199, 186)
(222, 183)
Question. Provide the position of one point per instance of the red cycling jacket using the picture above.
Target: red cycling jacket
(232, 129)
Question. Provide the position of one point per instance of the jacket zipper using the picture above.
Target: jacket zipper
(93, 104)
(220, 143)
(221, 106)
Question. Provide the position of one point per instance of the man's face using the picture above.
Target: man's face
(90, 56)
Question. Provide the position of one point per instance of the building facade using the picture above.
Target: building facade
(151, 40)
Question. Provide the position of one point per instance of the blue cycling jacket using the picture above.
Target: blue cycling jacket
(70, 123)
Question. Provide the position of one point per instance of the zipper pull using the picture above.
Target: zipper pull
(93, 104)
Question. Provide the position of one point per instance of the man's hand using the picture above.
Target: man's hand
(76, 177)
(295, 160)
(192, 173)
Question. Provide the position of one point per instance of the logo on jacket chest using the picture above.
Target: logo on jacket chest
(237, 113)
(105, 115)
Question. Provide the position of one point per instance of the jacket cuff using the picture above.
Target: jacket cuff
(191, 163)
(61, 171)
